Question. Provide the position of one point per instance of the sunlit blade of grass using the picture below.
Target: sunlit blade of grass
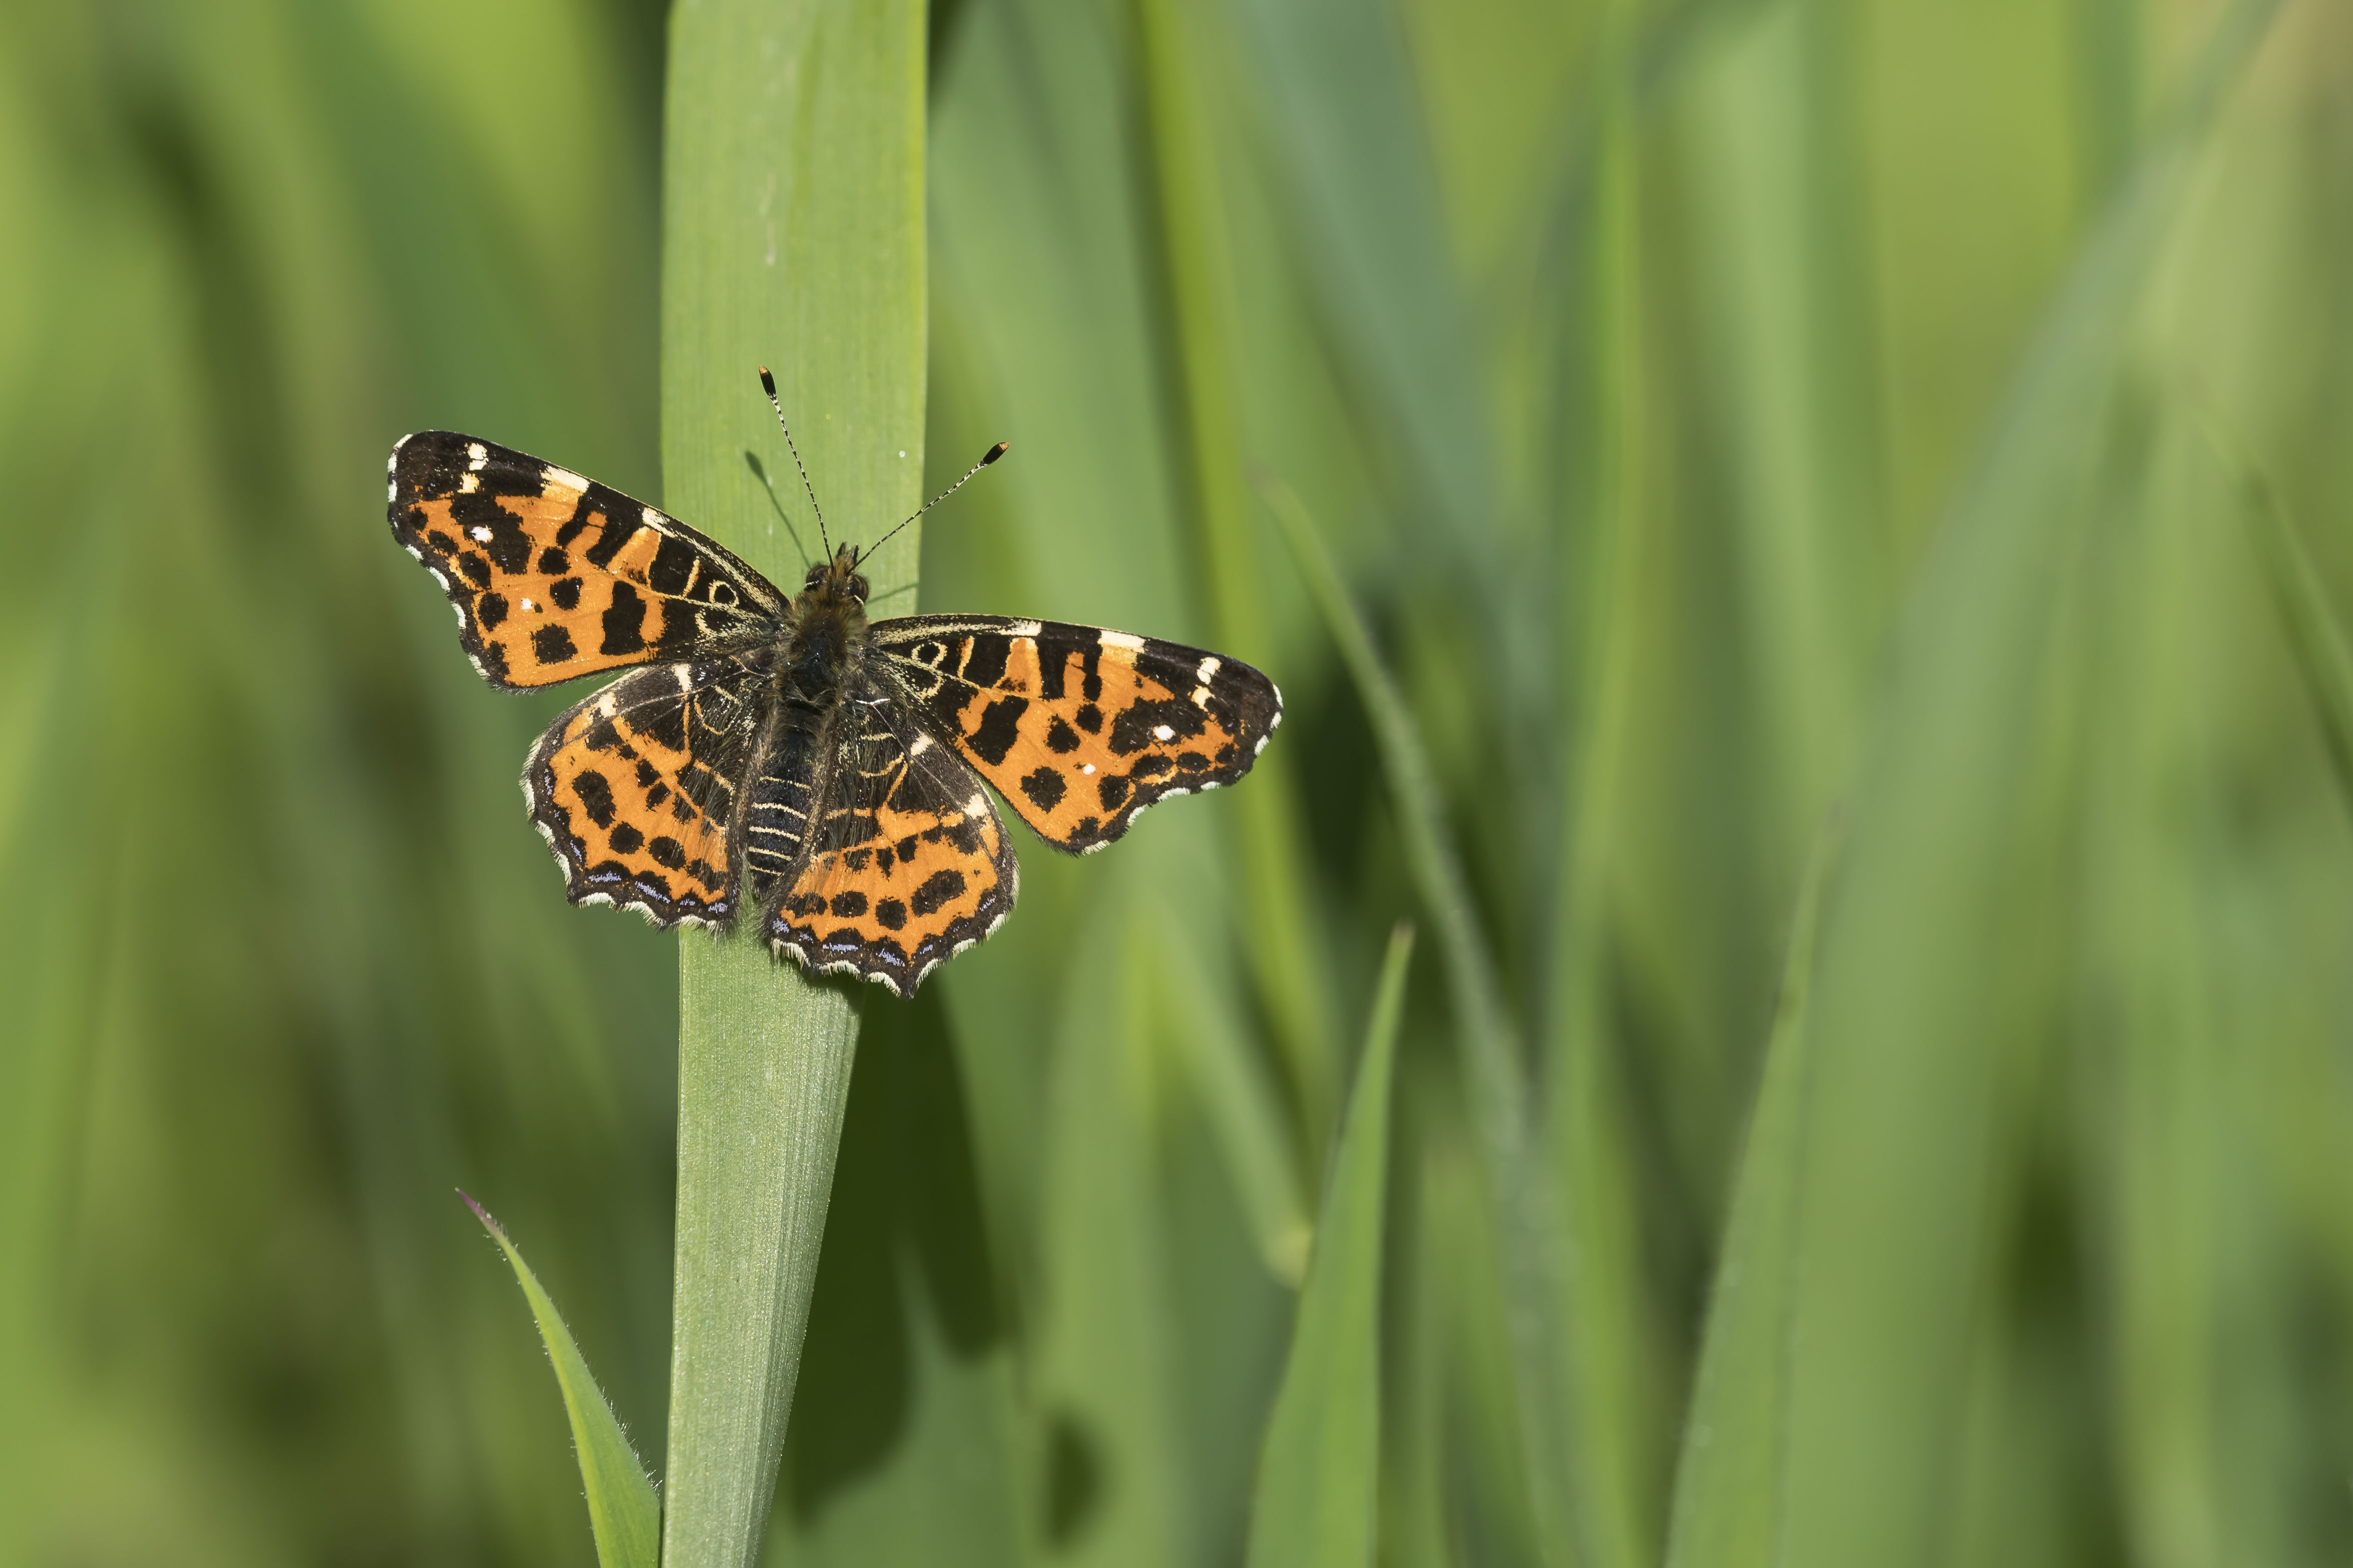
(623, 1510)
(1319, 1464)
(2157, 1060)
(1495, 1073)
(1728, 1485)
(793, 231)
(1936, 931)
(1200, 263)
(2316, 630)
(1614, 1423)
(1788, 350)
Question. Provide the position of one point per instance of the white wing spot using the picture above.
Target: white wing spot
(468, 483)
(1163, 733)
(555, 478)
(529, 608)
(480, 534)
(976, 805)
(476, 456)
(1025, 628)
(1087, 768)
(414, 554)
(1119, 639)
(392, 492)
(1259, 747)
(1202, 695)
(439, 578)
(653, 519)
(922, 743)
(1209, 669)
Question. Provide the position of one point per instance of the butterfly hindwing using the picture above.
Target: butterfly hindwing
(556, 576)
(906, 863)
(1078, 728)
(635, 787)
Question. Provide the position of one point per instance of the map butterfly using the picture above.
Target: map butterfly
(833, 763)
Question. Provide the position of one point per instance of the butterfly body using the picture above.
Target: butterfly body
(792, 752)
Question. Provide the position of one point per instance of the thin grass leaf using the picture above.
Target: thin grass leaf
(1935, 932)
(793, 231)
(2162, 1046)
(1728, 1494)
(1494, 1075)
(1319, 1471)
(1205, 326)
(2324, 653)
(1606, 1506)
(623, 1508)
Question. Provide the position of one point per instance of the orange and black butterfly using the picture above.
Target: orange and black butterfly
(836, 760)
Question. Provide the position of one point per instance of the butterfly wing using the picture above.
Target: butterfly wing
(635, 787)
(1080, 729)
(902, 862)
(555, 577)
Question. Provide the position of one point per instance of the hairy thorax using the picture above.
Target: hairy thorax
(823, 632)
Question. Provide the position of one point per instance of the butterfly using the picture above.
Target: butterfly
(785, 748)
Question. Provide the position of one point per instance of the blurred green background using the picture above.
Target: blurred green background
(1762, 435)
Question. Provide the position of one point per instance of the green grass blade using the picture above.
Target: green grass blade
(1728, 1485)
(1319, 1472)
(1617, 1438)
(1205, 327)
(2323, 654)
(1494, 1075)
(623, 1509)
(1936, 932)
(793, 229)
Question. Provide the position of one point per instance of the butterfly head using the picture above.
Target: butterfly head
(837, 579)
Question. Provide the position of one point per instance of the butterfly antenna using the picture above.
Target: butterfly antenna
(985, 458)
(768, 384)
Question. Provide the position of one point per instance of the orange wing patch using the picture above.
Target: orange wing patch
(553, 576)
(924, 879)
(633, 790)
(1081, 730)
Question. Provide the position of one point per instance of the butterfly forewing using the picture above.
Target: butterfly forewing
(1078, 728)
(555, 577)
(634, 790)
(905, 863)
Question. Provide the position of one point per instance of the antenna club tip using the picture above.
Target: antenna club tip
(995, 452)
(767, 381)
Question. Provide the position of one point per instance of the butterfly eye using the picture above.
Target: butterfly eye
(858, 588)
(816, 576)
